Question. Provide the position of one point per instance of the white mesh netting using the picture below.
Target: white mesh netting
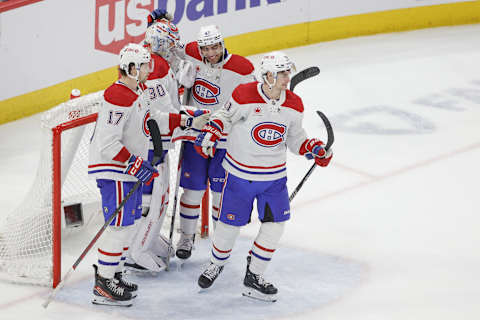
(26, 233)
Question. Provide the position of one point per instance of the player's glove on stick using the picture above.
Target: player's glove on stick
(158, 14)
(141, 169)
(315, 149)
(206, 141)
(195, 119)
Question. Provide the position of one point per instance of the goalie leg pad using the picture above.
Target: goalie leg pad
(161, 246)
(147, 234)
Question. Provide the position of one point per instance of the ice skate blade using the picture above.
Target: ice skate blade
(99, 300)
(254, 294)
(180, 263)
(202, 290)
(141, 271)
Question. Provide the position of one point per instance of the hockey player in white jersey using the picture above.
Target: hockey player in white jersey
(149, 248)
(218, 73)
(118, 147)
(265, 118)
(215, 75)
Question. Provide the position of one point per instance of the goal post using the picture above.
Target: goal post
(57, 191)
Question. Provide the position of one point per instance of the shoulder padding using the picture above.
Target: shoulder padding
(239, 64)
(247, 93)
(160, 68)
(293, 101)
(120, 95)
(192, 50)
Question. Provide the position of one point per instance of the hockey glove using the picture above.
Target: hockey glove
(195, 119)
(141, 169)
(158, 14)
(186, 73)
(206, 141)
(314, 148)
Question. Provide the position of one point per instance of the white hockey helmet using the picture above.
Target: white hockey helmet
(275, 62)
(209, 35)
(133, 53)
(162, 36)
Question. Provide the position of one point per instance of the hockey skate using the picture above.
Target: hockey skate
(209, 275)
(129, 286)
(110, 292)
(185, 246)
(257, 288)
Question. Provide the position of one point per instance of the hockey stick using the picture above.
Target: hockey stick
(330, 140)
(157, 155)
(175, 201)
(303, 75)
(185, 98)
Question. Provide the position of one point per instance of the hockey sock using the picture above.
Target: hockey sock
(223, 241)
(265, 245)
(110, 250)
(190, 210)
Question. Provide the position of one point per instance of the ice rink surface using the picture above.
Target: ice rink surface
(390, 230)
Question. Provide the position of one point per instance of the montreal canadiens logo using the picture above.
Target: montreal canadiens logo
(268, 134)
(205, 92)
(146, 132)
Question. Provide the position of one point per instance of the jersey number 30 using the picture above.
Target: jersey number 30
(157, 90)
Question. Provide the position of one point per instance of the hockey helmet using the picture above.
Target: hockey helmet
(209, 35)
(275, 62)
(133, 53)
(162, 36)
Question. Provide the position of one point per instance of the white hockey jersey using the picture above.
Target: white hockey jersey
(120, 131)
(213, 85)
(261, 131)
(161, 93)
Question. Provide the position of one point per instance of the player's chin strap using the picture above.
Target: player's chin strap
(270, 86)
(134, 77)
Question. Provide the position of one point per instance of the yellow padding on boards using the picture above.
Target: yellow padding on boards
(353, 26)
(266, 40)
(44, 99)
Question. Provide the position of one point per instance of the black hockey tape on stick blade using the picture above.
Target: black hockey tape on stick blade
(303, 75)
(328, 126)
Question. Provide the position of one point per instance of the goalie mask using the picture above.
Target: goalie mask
(163, 37)
(136, 54)
(275, 62)
(210, 35)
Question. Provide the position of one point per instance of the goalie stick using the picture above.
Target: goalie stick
(157, 155)
(303, 75)
(175, 201)
(330, 140)
(186, 96)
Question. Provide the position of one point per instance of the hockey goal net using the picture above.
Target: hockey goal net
(62, 199)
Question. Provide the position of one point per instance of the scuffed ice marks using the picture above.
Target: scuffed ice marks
(382, 120)
(389, 120)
